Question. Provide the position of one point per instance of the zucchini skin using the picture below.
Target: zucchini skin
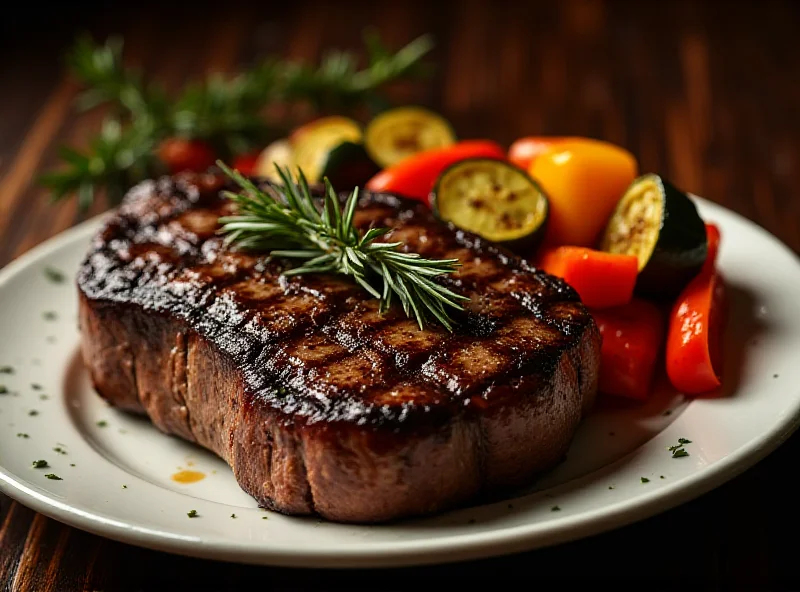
(680, 250)
(348, 165)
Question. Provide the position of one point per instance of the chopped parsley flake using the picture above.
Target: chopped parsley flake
(124, 487)
(50, 315)
(677, 450)
(611, 487)
(102, 423)
(59, 450)
(6, 370)
(36, 387)
(40, 464)
(72, 464)
(54, 275)
(53, 477)
(233, 515)
(33, 413)
(645, 480)
(43, 397)
(3, 390)
(555, 509)
(265, 517)
(192, 513)
(662, 477)
(21, 435)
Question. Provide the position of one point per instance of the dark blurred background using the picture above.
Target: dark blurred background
(707, 93)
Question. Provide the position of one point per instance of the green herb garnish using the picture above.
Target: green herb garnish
(265, 517)
(124, 487)
(40, 464)
(328, 242)
(54, 275)
(192, 513)
(59, 450)
(228, 114)
(50, 315)
(3, 389)
(6, 370)
(677, 450)
(43, 397)
(22, 435)
(53, 477)
(645, 480)
(36, 387)
(233, 515)
(555, 509)
(102, 423)
(33, 413)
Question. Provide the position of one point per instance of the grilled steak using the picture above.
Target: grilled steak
(318, 402)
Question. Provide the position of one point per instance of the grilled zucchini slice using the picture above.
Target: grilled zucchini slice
(660, 225)
(398, 133)
(493, 199)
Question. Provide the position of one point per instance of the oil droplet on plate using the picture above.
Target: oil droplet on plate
(187, 477)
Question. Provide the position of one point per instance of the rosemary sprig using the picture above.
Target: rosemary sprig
(228, 113)
(292, 227)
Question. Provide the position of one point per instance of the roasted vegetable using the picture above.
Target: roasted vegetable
(660, 226)
(694, 340)
(312, 143)
(494, 199)
(524, 150)
(584, 180)
(601, 279)
(632, 336)
(246, 163)
(278, 153)
(415, 176)
(399, 133)
(348, 165)
(181, 154)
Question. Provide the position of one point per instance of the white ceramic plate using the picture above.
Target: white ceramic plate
(116, 470)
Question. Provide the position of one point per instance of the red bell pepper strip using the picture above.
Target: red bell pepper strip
(632, 337)
(601, 279)
(713, 235)
(694, 340)
(415, 176)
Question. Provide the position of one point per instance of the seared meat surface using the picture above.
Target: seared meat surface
(319, 403)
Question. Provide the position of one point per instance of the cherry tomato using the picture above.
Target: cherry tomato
(246, 163)
(181, 154)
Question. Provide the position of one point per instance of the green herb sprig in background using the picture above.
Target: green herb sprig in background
(226, 112)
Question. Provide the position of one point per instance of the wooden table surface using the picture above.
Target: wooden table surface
(706, 93)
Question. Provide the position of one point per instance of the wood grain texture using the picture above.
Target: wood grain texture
(706, 93)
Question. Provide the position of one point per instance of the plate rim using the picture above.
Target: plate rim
(446, 549)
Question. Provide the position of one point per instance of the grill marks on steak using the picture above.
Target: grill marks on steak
(313, 352)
